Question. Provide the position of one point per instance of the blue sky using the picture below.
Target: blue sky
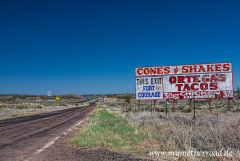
(92, 46)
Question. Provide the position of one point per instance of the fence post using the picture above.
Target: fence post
(190, 105)
(229, 105)
(173, 105)
(194, 109)
(210, 105)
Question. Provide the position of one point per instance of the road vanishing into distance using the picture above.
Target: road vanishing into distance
(23, 137)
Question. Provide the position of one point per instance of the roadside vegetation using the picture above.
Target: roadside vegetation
(120, 126)
(107, 129)
(19, 105)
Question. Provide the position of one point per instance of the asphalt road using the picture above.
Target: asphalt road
(21, 137)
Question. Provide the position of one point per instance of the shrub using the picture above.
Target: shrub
(38, 106)
(181, 107)
(164, 110)
(227, 110)
(76, 104)
(218, 106)
(63, 104)
(127, 97)
(21, 107)
(186, 110)
(236, 110)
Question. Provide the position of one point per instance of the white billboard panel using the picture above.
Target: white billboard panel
(148, 88)
(209, 85)
(198, 86)
(184, 69)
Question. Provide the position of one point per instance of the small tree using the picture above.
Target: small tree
(69, 95)
(38, 98)
(127, 97)
(10, 98)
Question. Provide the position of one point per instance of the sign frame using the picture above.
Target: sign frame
(147, 77)
(231, 71)
(188, 74)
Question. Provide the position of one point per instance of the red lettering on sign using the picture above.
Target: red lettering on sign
(179, 86)
(188, 78)
(213, 86)
(195, 78)
(140, 71)
(210, 67)
(213, 78)
(217, 67)
(226, 67)
(201, 69)
(152, 70)
(172, 79)
(184, 69)
(204, 79)
(186, 86)
(181, 79)
(204, 86)
(146, 71)
(192, 87)
(159, 70)
(222, 77)
(167, 70)
(193, 67)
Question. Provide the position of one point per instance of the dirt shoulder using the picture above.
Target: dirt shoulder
(10, 113)
(63, 151)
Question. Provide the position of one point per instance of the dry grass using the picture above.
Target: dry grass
(179, 132)
(7, 111)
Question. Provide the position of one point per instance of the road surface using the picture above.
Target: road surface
(23, 137)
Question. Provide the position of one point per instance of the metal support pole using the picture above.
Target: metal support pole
(194, 109)
(173, 105)
(210, 104)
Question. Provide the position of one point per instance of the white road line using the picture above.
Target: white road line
(47, 145)
(78, 123)
(52, 142)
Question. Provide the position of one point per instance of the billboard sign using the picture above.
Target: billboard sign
(198, 86)
(149, 88)
(215, 84)
(109, 99)
(184, 69)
